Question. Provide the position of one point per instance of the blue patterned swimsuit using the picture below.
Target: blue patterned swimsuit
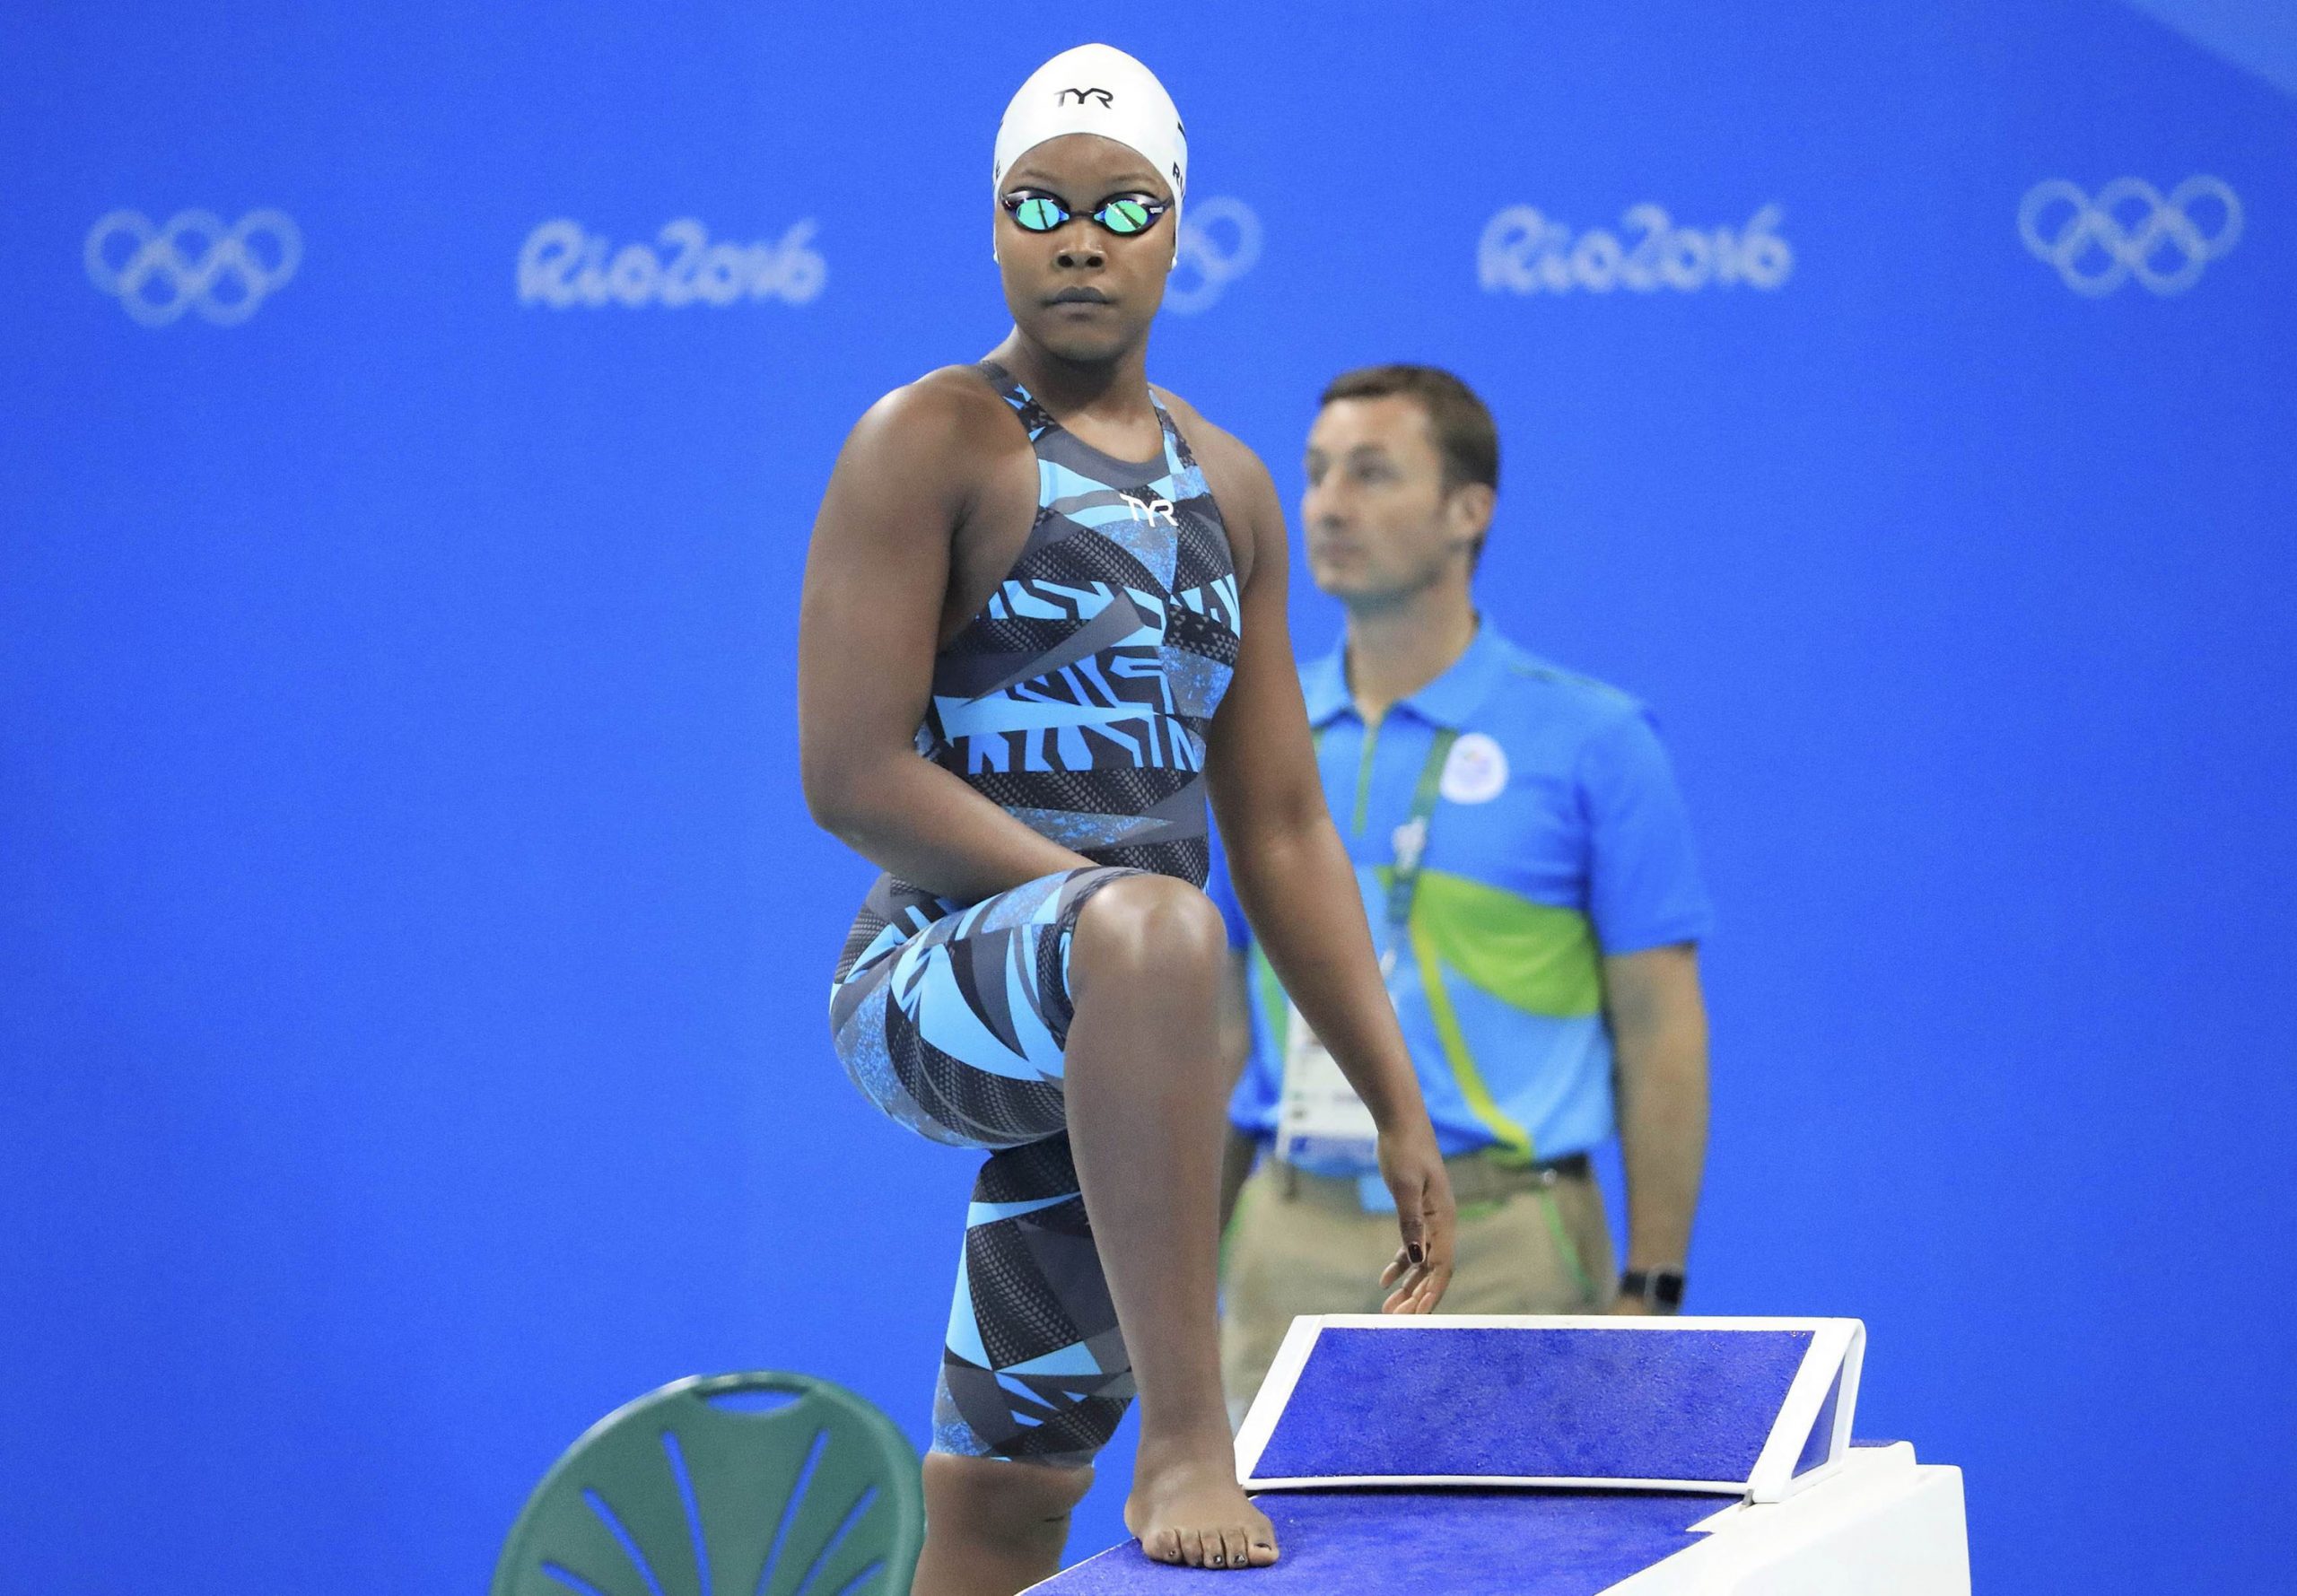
(1077, 700)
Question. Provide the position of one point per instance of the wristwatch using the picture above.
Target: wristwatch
(1660, 1290)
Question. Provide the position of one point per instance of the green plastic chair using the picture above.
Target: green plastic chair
(725, 1484)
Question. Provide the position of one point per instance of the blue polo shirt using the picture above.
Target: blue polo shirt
(1557, 837)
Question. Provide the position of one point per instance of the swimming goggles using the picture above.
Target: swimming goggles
(1123, 214)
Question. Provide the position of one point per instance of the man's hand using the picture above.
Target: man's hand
(1414, 1171)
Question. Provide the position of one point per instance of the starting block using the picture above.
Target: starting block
(1571, 1456)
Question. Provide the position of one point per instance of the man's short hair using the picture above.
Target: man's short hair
(1465, 436)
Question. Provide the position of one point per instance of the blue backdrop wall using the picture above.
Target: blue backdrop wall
(412, 944)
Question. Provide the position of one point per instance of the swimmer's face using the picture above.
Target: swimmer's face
(1082, 291)
(1382, 522)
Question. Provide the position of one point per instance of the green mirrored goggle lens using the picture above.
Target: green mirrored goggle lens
(1124, 215)
(1039, 214)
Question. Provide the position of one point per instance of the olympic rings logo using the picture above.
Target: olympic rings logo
(1220, 242)
(2129, 230)
(193, 263)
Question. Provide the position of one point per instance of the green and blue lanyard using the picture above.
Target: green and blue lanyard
(1512, 1144)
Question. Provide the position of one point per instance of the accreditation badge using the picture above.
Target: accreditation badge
(1321, 1119)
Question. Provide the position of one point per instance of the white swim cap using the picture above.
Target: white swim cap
(1096, 88)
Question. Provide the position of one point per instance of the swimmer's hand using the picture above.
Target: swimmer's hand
(1413, 1168)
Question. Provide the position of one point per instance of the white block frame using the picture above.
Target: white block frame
(1836, 1345)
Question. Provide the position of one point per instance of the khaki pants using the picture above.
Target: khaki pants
(1302, 1243)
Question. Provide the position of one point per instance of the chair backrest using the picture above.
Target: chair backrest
(725, 1484)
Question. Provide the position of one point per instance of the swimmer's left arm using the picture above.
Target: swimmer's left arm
(1294, 880)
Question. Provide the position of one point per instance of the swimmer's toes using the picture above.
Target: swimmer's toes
(1194, 1514)
(1241, 1546)
(1259, 1538)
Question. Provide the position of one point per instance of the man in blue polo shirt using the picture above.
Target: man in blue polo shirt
(1527, 871)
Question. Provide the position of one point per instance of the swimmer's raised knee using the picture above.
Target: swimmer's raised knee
(1143, 922)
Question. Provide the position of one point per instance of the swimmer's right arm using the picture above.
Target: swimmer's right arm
(1292, 874)
(877, 575)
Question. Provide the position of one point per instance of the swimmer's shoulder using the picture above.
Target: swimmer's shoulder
(1213, 445)
(1240, 484)
(949, 423)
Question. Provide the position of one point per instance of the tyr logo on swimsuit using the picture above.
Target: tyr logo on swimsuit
(1148, 509)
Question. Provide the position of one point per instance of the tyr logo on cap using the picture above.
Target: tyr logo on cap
(1083, 95)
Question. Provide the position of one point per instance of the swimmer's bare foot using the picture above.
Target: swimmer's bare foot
(1190, 1509)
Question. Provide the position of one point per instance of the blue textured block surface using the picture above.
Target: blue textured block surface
(1579, 1404)
(1430, 1543)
